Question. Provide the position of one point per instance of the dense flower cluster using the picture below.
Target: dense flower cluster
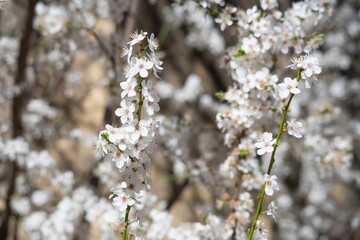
(129, 145)
(51, 19)
(258, 95)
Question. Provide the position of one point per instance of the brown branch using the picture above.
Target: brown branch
(177, 193)
(18, 103)
(131, 20)
(107, 52)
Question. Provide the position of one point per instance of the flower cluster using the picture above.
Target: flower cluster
(50, 19)
(8, 47)
(129, 145)
(258, 97)
(204, 34)
(14, 149)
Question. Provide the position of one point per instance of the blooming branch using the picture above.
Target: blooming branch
(129, 145)
(289, 87)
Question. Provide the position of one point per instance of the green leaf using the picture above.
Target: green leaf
(240, 53)
(105, 135)
(219, 95)
(243, 152)
(315, 35)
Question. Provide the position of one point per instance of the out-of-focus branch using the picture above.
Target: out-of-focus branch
(17, 106)
(131, 20)
(210, 65)
(177, 193)
(107, 52)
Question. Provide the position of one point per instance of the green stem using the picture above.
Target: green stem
(272, 161)
(141, 100)
(124, 233)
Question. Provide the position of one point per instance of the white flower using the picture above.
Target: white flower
(141, 66)
(122, 201)
(272, 210)
(225, 17)
(143, 127)
(252, 14)
(310, 66)
(153, 43)
(261, 232)
(41, 107)
(34, 221)
(126, 111)
(289, 86)
(149, 92)
(270, 184)
(8, 49)
(40, 160)
(250, 45)
(293, 127)
(40, 197)
(114, 134)
(21, 206)
(128, 87)
(50, 19)
(265, 143)
(134, 184)
(127, 52)
(268, 4)
(224, 20)
(311, 70)
(296, 63)
(157, 62)
(261, 28)
(133, 133)
(16, 149)
(121, 160)
(136, 38)
(151, 107)
(137, 129)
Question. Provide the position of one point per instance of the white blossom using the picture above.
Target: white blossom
(129, 87)
(137, 37)
(50, 19)
(224, 20)
(140, 66)
(294, 127)
(289, 86)
(270, 184)
(153, 43)
(268, 4)
(272, 210)
(310, 66)
(122, 200)
(126, 111)
(265, 143)
(261, 231)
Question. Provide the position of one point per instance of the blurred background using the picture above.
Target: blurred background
(60, 71)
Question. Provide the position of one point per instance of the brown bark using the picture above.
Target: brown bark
(18, 103)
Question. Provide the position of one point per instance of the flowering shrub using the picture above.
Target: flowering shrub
(256, 137)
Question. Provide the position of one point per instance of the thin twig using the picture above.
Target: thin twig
(272, 161)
